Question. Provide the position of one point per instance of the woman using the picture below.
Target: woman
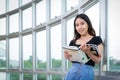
(84, 34)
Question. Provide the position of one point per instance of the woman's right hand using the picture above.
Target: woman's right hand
(67, 55)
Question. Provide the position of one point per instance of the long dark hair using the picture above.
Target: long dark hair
(91, 30)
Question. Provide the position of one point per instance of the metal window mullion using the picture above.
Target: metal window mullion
(103, 33)
(48, 11)
(63, 6)
(34, 39)
(64, 40)
(34, 54)
(79, 9)
(7, 43)
(20, 42)
(7, 59)
(19, 3)
(63, 29)
(48, 52)
(33, 15)
(20, 57)
(7, 5)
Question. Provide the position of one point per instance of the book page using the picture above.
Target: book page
(71, 47)
(77, 55)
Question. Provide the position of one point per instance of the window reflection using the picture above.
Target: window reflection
(13, 4)
(41, 76)
(27, 18)
(25, 1)
(55, 8)
(113, 38)
(14, 23)
(28, 76)
(56, 77)
(27, 51)
(2, 76)
(2, 6)
(56, 54)
(14, 53)
(94, 17)
(71, 4)
(41, 50)
(2, 54)
(70, 30)
(14, 76)
(3, 26)
(41, 12)
(70, 35)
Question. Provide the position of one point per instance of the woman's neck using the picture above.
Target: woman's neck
(84, 39)
(85, 36)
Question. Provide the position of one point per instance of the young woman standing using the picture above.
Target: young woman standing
(84, 34)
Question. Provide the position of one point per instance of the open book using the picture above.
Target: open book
(78, 55)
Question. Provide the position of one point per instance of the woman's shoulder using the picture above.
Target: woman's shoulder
(97, 40)
(72, 42)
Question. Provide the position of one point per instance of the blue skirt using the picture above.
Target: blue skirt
(80, 72)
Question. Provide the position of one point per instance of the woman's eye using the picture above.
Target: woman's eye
(77, 24)
(82, 23)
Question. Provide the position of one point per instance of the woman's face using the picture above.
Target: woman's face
(81, 26)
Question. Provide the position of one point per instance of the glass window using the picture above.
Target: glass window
(3, 26)
(27, 51)
(2, 54)
(27, 18)
(71, 4)
(113, 35)
(14, 76)
(14, 53)
(28, 76)
(55, 8)
(41, 16)
(56, 77)
(56, 54)
(14, 23)
(41, 50)
(70, 30)
(13, 4)
(25, 1)
(42, 76)
(94, 17)
(2, 6)
(2, 76)
(70, 35)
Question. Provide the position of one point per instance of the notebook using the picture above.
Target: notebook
(78, 55)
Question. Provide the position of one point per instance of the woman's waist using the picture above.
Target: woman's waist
(81, 65)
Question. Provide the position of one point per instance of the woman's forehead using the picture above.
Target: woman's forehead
(80, 20)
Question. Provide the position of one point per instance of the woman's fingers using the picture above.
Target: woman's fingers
(67, 55)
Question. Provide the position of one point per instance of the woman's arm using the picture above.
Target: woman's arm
(93, 57)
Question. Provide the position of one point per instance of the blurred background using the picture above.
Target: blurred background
(32, 33)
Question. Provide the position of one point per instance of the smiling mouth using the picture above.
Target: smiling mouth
(81, 31)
